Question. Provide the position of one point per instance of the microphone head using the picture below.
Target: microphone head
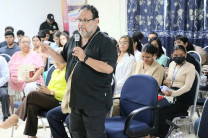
(77, 37)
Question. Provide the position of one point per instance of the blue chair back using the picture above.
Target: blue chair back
(206, 49)
(6, 56)
(203, 125)
(195, 55)
(139, 91)
(48, 77)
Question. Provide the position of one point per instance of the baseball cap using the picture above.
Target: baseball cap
(50, 17)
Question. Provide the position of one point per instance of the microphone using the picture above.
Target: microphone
(77, 38)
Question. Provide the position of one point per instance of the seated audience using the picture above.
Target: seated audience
(8, 28)
(180, 79)
(11, 47)
(20, 33)
(63, 39)
(25, 57)
(137, 45)
(56, 120)
(47, 34)
(44, 99)
(161, 57)
(125, 63)
(148, 65)
(36, 48)
(56, 39)
(4, 77)
(154, 34)
(182, 40)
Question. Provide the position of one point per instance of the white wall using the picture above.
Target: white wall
(27, 15)
(113, 16)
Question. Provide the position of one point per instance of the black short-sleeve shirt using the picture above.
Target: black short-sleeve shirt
(90, 89)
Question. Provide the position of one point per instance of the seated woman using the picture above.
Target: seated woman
(36, 43)
(36, 101)
(125, 63)
(137, 46)
(181, 75)
(25, 57)
(148, 65)
(161, 57)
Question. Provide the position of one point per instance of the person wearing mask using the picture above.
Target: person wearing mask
(95, 59)
(182, 40)
(179, 81)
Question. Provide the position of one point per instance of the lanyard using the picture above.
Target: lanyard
(175, 72)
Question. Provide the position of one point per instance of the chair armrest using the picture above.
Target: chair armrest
(116, 98)
(135, 112)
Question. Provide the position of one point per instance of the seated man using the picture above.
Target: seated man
(4, 77)
(11, 46)
(56, 120)
(8, 28)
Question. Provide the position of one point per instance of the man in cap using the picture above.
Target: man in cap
(51, 25)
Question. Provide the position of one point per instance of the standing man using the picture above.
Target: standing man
(91, 95)
(51, 25)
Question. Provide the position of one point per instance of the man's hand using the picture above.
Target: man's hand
(45, 48)
(51, 32)
(79, 53)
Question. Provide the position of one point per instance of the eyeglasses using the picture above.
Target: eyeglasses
(125, 43)
(25, 42)
(84, 21)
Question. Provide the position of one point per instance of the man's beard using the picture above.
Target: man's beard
(87, 33)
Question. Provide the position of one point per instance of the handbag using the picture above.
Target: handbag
(65, 101)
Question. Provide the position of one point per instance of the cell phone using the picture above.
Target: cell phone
(38, 84)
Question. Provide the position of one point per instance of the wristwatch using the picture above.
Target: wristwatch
(86, 57)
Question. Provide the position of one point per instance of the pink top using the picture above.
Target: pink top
(31, 59)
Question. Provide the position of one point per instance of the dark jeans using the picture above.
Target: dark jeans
(5, 102)
(56, 119)
(87, 124)
(169, 113)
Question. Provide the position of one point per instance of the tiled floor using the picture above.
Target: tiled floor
(46, 133)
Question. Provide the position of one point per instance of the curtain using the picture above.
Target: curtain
(170, 18)
(145, 16)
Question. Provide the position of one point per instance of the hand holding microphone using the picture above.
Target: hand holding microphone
(77, 38)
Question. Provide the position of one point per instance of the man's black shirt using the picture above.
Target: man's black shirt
(90, 89)
(53, 27)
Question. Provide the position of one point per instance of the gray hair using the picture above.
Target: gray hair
(20, 40)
